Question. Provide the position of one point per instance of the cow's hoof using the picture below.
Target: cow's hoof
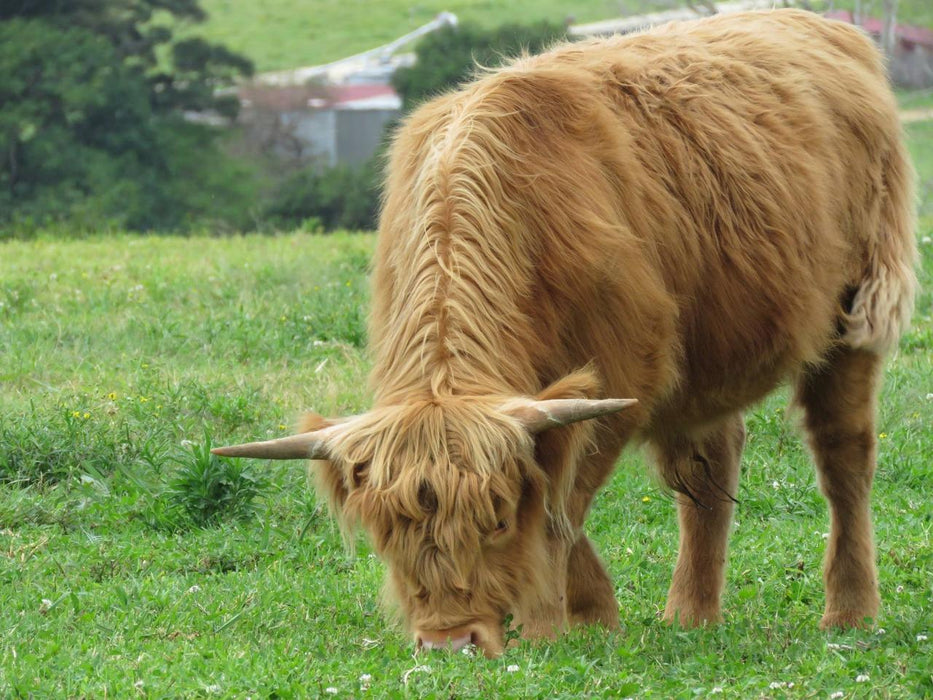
(605, 616)
(846, 619)
(689, 619)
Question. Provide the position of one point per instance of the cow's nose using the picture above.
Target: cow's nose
(482, 635)
(452, 643)
(453, 639)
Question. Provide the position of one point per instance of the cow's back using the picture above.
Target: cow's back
(686, 207)
(760, 143)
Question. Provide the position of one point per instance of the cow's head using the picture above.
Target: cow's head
(458, 496)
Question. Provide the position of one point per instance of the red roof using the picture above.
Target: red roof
(343, 94)
(298, 97)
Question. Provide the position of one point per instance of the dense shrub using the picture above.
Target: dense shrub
(336, 198)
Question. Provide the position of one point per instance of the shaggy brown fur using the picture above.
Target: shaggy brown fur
(693, 214)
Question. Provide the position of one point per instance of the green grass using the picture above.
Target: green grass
(131, 565)
(280, 34)
(916, 99)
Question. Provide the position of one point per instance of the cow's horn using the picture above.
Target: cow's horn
(552, 413)
(302, 446)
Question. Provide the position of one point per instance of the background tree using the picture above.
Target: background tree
(889, 28)
(449, 56)
(92, 98)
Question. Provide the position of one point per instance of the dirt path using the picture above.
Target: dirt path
(909, 116)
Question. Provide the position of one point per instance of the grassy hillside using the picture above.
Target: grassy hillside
(279, 34)
(133, 566)
(288, 33)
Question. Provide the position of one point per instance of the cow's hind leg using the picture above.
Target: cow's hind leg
(839, 412)
(704, 473)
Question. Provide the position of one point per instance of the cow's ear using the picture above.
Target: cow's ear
(559, 448)
(560, 418)
(563, 403)
(329, 477)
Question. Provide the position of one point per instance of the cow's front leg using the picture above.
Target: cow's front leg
(545, 616)
(591, 599)
(705, 475)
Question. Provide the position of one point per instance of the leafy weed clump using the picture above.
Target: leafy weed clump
(208, 490)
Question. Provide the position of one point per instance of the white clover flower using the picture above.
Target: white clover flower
(775, 485)
(862, 678)
(921, 637)
(512, 668)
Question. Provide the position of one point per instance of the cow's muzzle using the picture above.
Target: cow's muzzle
(457, 638)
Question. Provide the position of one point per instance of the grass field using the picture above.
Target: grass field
(134, 566)
(279, 34)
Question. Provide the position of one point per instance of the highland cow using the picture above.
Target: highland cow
(685, 218)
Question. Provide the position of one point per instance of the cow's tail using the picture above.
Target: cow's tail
(884, 298)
